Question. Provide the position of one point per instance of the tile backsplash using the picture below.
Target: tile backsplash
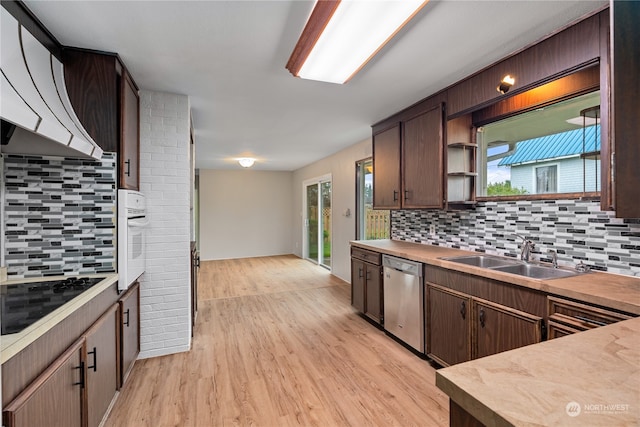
(576, 229)
(59, 215)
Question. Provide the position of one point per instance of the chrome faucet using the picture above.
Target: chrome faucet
(527, 247)
(554, 258)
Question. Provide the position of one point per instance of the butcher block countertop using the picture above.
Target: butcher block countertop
(590, 378)
(605, 289)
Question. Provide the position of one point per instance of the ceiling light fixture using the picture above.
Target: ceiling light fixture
(342, 36)
(246, 162)
(505, 84)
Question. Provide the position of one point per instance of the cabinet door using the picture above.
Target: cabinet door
(129, 330)
(373, 292)
(499, 328)
(130, 139)
(386, 169)
(357, 284)
(54, 398)
(90, 78)
(101, 365)
(422, 161)
(448, 325)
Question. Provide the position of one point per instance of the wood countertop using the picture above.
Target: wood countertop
(590, 378)
(605, 289)
(12, 344)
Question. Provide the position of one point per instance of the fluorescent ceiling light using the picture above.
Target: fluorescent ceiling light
(342, 36)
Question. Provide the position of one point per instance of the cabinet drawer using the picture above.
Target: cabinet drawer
(581, 316)
(365, 255)
(557, 330)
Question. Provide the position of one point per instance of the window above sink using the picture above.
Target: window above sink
(553, 149)
(542, 143)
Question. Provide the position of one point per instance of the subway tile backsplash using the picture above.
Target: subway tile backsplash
(576, 229)
(59, 215)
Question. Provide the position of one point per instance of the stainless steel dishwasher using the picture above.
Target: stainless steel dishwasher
(404, 300)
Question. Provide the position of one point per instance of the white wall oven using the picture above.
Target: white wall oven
(132, 224)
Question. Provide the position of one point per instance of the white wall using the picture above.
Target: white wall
(244, 213)
(342, 167)
(165, 323)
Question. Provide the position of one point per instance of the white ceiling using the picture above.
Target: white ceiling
(229, 58)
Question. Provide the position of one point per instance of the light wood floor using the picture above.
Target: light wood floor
(277, 344)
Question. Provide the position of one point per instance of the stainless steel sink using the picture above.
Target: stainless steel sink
(512, 266)
(535, 271)
(483, 261)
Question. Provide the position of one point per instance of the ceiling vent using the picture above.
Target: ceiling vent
(34, 94)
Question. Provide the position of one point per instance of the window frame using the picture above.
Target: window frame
(535, 176)
(580, 82)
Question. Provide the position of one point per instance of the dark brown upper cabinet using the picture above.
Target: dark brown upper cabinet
(408, 162)
(105, 98)
(625, 108)
(595, 53)
(422, 146)
(386, 168)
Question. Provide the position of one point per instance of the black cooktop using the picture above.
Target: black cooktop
(25, 303)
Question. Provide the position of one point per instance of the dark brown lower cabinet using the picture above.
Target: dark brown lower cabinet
(567, 317)
(366, 289)
(101, 360)
(373, 307)
(497, 328)
(448, 325)
(461, 327)
(55, 398)
(357, 284)
(129, 330)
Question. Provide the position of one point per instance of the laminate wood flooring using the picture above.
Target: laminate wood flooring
(278, 344)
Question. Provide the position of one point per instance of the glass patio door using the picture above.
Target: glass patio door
(317, 233)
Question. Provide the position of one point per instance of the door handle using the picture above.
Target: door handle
(463, 309)
(482, 317)
(126, 322)
(360, 273)
(395, 196)
(95, 360)
(128, 171)
(81, 368)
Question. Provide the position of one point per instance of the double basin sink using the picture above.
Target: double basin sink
(506, 265)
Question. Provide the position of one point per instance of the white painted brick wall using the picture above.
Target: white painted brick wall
(165, 305)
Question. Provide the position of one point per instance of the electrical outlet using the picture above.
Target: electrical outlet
(432, 229)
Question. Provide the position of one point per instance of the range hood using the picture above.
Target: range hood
(34, 94)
